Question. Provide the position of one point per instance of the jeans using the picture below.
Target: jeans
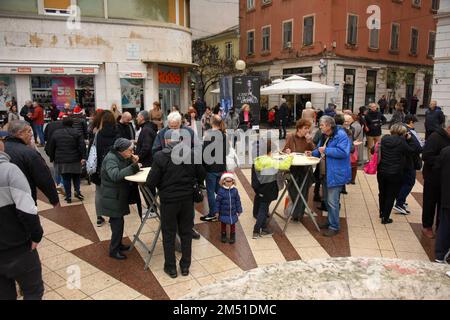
(58, 179)
(262, 216)
(67, 177)
(409, 179)
(443, 235)
(331, 197)
(212, 187)
(26, 270)
(40, 132)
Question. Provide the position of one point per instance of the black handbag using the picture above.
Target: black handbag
(198, 193)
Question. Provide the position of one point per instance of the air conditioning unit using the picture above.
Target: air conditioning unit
(266, 2)
(289, 45)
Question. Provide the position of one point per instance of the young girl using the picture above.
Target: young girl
(228, 204)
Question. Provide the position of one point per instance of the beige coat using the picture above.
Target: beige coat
(156, 118)
(308, 114)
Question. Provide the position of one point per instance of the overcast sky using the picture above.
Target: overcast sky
(212, 16)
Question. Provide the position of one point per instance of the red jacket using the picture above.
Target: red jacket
(38, 116)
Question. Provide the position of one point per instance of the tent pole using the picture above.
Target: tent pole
(295, 108)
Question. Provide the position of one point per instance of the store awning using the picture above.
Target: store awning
(50, 69)
(172, 63)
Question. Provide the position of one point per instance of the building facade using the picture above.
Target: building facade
(96, 52)
(227, 43)
(365, 49)
(441, 83)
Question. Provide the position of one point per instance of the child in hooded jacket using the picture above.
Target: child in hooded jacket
(228, 203)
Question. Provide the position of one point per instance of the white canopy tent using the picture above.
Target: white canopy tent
(296, 85)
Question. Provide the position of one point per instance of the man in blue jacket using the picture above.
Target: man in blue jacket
(335, 169)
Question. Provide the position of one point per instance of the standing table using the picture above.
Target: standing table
(300, 160)
(140, 178)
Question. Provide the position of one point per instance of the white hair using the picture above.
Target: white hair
(174, 117)
(308, 105)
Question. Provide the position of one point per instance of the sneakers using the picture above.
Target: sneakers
(266, 232)
(256, 235)
(68, 200)
(195, 234)
(428, 232)
(79, 196)
(208, 218)
(386, 220)
(330, 233)
(100, 221)
(439, 261)
(401, 210)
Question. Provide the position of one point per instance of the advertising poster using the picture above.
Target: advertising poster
(63, 90)
(132, 93)
(246, 90)
(226, 95)
(7, 91)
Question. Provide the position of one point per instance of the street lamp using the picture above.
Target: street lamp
(240, 65)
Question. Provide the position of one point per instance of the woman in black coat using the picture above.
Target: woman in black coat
(68, 151)
(393, 153)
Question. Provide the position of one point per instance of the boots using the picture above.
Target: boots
(232, 238)
(223, 238)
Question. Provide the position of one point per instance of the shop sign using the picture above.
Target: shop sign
(57, 70)
(87, 70)
(63, 90)
(136, 75)
(169, 77)
(24, 70)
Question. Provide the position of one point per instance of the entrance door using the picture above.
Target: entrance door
(169, 97)
(409, 89)
(371, 86)
(349, 89)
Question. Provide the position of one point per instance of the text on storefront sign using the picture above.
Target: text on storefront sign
(169, 77)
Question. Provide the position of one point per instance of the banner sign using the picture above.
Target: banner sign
(246, 90)
(226, 95)
(63, 90)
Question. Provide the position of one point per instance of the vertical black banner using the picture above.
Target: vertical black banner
(246, 90)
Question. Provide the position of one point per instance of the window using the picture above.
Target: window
(266, 38)
(250, 4)
(374, 38)
(19, 6)
(416, 3)
(287, 34)
(57, 7)
(395, 34)
(308, 31)
(414, 41)
(228, 50)
(352, 30)
(250, 42)
(431, 44)
(435, 5)
(155, 10)
(92, 8)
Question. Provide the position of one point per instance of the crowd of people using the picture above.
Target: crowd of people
(111, 145)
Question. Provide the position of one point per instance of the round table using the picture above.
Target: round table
(300, 160)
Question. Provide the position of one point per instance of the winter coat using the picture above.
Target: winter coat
(156, 117)
(228, 204)
(80, 125)
(38, 116)
(264, 176)
(394, 151)
(442, 167)
(434, 119)
(175, 182)
(49, 130)
(308, 114)
(19, 218)
(210, 144)
(24, 113)
(374, 120)
(232, 121)
(145, 143)
(126, 131)
(160, 143)
(67, 146)
(105, 140)
(283, 113)
(33, 167)
(397, 117)
(433, 147)
(12, 116)
(337, 152)
(115, 190)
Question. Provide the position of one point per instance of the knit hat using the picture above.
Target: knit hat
(77, 110)
(122, 144)
(227, 175)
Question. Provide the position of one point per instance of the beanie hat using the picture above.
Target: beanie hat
(122, 144)
(227, 175)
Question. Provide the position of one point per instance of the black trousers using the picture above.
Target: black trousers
(256, 202)
(283, 129)
(431, 202)
(389, 188)
(116, 234)
(442, 245)
(177, 216)
(317, 182)
(26, 270)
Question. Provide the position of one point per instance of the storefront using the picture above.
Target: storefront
(170, 80)
(49, 84)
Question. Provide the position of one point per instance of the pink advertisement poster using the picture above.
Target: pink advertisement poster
(63, 90)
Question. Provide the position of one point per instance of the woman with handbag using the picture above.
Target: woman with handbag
(68, 151)
(177, 184)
